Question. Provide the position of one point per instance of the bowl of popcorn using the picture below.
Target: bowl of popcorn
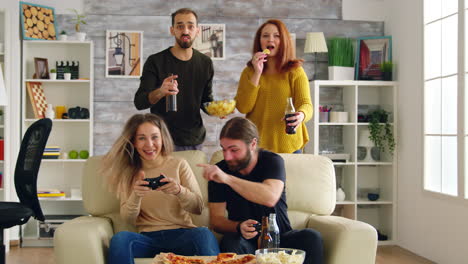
(220, 108)
(279, 256)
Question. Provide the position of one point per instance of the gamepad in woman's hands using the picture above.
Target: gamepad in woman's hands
(155, 183)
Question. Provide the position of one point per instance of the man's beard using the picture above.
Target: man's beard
(184, 44)
(237, 165)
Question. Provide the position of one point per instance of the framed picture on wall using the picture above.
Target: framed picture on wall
(211, 41)
(124, 52)
(371, 53)
(37, 21)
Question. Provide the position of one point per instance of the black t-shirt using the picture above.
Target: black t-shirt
(269, 166)
(195, 78)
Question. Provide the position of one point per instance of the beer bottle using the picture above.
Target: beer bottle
(290, 111)
(265, 238)
(273, 231)
(171, 101)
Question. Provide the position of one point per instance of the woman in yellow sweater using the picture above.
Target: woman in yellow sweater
(265, 84)
(160, 213)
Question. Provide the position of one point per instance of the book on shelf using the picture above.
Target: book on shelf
(51, 155)
(50, 193)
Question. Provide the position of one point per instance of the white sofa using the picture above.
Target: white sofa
(310, 187)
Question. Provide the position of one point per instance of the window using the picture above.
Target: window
(442, 108)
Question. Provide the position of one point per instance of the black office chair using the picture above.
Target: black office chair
(27, 168)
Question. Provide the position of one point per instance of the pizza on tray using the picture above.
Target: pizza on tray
(222, 258)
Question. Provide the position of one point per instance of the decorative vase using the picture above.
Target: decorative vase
(340, 195)
(80, 36)
(67, 76)
(63, 37)
(53, 76)
(49, 113)
(339, 73)
(387, 76)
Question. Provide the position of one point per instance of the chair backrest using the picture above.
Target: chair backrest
(28, 163)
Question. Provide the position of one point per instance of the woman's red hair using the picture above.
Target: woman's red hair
(285, 55)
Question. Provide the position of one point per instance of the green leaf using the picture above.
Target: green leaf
(340, 52)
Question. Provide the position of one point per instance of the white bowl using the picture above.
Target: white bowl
(279, 256)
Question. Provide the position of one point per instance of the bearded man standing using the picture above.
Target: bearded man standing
(184, 72)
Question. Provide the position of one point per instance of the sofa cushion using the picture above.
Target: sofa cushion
(97, 199)
(310, 183)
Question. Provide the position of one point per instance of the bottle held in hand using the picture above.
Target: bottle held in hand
(171, 101)
(265, 238)
(273, 231)
(290, 111)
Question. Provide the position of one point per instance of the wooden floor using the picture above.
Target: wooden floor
(385, 255)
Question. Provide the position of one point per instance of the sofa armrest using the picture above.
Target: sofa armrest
(345, 240)
(83, 240)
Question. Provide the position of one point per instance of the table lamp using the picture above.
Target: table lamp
(315, 43)
(365, 141)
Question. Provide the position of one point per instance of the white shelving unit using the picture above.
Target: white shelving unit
(356, 177)
(68, 134)
(6, 163)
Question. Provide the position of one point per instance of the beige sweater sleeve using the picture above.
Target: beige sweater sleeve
(190, 197)
(130, 208)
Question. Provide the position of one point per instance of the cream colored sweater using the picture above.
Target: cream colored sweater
(265, 105)
(159, 211)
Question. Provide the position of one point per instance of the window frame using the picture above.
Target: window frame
(462, 132)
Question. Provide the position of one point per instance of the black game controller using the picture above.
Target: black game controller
(258, 227)
(155, 183)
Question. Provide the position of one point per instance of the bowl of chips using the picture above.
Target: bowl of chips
(279, 256)
(220, 108)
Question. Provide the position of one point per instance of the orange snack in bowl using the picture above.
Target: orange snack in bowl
(266, 51)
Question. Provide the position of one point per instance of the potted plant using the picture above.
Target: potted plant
(81, 36)
(381, 132)
(386, 68)
(63, 35)
(67, 73)
(340, 59)
(53, 74)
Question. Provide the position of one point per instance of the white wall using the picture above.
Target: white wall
(368, 10)
(60, 6)
(432, 227)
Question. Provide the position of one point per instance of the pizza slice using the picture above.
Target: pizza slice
(230, 258)
(171, 258)
(226, 256)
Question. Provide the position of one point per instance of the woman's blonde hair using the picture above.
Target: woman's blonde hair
(122, 162)
(286, 59)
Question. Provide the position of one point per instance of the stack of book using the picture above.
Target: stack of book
(51, 152)
(50, 193)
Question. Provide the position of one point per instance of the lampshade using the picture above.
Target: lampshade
(3, 97)
(364, 140)
(315, 42)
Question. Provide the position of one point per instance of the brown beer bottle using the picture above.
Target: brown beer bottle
(290, 111)
(265, 237)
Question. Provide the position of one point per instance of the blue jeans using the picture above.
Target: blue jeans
(125, 245)
(299, 151)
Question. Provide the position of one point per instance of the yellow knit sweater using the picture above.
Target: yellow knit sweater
(265, 105)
